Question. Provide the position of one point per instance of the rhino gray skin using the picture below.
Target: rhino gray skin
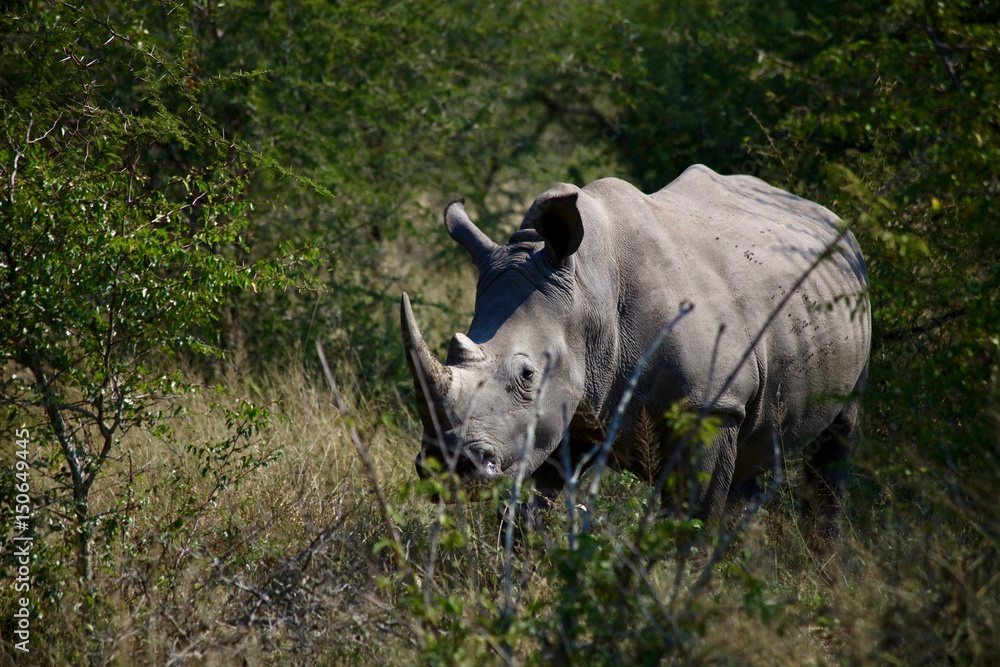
(587, 283)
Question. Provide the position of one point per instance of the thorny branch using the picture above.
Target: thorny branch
(19, 152)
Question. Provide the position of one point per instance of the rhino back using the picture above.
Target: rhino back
(734, 247)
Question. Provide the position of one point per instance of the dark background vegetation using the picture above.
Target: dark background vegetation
(193, 193)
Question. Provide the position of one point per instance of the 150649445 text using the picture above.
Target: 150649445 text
(22, 542)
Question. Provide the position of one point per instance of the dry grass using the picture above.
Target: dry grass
(287, 566)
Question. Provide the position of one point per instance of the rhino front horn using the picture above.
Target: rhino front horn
(431, 378)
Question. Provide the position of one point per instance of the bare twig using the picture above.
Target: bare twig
(823, 256)
(510, 511)
(774, 147)
(572, 482)
(18, 153)
(943, 54)
(601, 458)
(369, 466)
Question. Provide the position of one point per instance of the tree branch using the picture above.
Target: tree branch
(53, 410)
(935, 323)
(942, 52)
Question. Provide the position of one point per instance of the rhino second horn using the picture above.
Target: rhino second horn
(463, 350)
(423, 364)
(465, 232)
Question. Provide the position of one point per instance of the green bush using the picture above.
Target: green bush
(172, 171)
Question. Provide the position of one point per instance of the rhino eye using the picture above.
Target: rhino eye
(527, 372)
(523, 377)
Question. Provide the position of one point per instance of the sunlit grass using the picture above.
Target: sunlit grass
(288, 564)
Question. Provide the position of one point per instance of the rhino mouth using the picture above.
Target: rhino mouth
(474, 463)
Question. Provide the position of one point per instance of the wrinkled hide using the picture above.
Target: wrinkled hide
(586, 284)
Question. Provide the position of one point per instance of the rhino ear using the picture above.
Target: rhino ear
(465, 232)
(557, 219)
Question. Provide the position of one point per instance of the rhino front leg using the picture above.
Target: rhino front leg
(529, 516)
(719, 464)
(697, 485)
(702, 474)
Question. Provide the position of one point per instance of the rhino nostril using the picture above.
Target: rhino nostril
(468, 460)
(488, 464)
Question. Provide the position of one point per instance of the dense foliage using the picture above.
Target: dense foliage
(125, 233)
(192, 193)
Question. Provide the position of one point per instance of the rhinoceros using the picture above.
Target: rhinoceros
(775, 346)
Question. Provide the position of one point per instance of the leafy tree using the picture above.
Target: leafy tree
(394, 110)
(142, 226)
(909, 146)
(885, 112)
(124, 231)
(879, 110)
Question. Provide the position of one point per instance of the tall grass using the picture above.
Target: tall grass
(289, 563)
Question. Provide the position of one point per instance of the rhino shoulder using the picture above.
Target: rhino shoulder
(748, 194)
(610, 184)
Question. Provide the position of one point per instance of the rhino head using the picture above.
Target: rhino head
(487, 406)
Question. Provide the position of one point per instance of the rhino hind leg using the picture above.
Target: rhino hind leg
(826, 472)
